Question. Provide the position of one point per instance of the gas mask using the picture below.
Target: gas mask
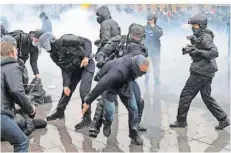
(100, 19)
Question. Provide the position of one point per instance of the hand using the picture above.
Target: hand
(100, 64)
(195, 52)
(32, 114)
(85, 108)
(84, 62)
(67, 91)
(37, 76)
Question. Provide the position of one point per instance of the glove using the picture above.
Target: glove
(195, 53)
(100, 64)
(29, 127)
(97, 42)
(32, 115)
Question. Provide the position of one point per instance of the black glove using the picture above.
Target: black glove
(29, 127)
(100, 64)
(195, 53)
(97, 42)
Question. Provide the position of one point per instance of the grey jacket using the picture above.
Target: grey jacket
(46, 25)
(204, 62)
(12, 89)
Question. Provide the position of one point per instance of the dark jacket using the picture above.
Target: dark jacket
(108, 28)
(114, 43)
(46, 25)
(113, 76)
(152, 39)
(26, 49)
(3, 31)
(74, 43)
(204, 62)
(12, 89)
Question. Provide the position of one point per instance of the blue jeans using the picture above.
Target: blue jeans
(131, 105)
(109, 110)
(12, 133)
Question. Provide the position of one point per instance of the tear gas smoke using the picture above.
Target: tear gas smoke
(174, 66)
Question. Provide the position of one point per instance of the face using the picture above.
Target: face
(14, 53)
(35, 41)
(151, 21)
(144, 67)
(195, 26)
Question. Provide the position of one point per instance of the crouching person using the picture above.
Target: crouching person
(12, 91)
(117, 76)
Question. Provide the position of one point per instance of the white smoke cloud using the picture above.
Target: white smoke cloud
(174, 66)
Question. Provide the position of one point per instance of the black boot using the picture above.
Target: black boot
(223, 124)
(97, 121)
(140, 114)
(178, 124)
(86, 121)
(107, 128)
(137, 140)
(58, 114)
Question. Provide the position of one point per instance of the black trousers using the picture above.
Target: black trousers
(194, 84)
(85, 86)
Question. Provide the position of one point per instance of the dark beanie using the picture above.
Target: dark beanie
(36, 33)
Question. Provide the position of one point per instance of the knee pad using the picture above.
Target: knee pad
(141, 104)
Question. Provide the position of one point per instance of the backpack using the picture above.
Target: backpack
(71, 53)
(19, 36)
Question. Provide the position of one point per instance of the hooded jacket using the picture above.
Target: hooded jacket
(12, 89)
(69, 43)
(114, 75)
(24, 44)
(203, 57)
(108, 28)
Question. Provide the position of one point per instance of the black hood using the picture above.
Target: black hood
(136, 61)
(103, 12)
(207, 31)
(8, 60)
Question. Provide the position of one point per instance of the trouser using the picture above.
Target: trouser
(12, 133)
(131, 105)
(106, 108)
(194, 84)
(155, 59)
(85, 87)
